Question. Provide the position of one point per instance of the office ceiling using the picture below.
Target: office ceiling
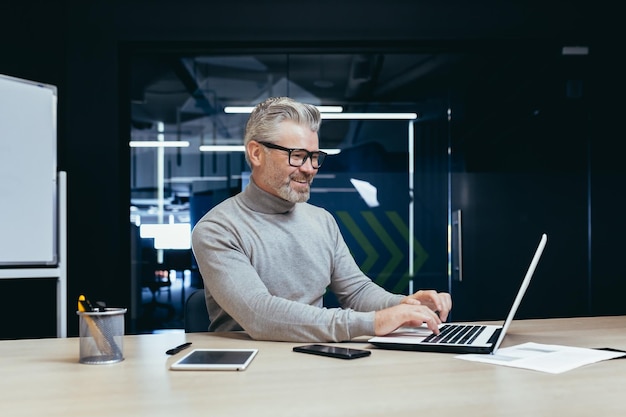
(204, 84)
(188, 93)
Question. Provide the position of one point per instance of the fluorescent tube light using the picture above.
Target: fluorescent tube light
(330, 109)
(238, 109)
(248, 109)
(158, 144)
(575, 50)
(222, 148)
(369, 116)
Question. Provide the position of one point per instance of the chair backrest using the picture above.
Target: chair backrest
(196, 314)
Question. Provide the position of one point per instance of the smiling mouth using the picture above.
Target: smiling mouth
(300, 185)
(300, 180)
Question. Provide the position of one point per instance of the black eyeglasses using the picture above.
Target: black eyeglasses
(297, 157)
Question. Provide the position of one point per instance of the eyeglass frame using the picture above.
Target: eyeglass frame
(309, 154)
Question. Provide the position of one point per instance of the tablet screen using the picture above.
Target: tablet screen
(216, 359)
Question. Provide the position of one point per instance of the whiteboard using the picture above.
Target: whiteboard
(28, 173)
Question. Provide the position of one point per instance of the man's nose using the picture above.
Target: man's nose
(308, 166)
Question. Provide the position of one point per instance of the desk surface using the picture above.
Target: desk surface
(43, 378)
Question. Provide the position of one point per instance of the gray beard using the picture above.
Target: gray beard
(287, 193)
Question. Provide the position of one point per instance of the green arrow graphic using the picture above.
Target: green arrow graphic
(364, 243)
(396, 253)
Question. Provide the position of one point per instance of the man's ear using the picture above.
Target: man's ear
(255, 153)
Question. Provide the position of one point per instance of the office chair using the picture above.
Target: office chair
(160, 280)
(196, 314)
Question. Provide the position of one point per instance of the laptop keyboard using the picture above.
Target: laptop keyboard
(456, 334)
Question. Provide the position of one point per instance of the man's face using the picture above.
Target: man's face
(276, 176)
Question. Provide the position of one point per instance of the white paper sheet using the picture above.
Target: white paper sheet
(553, 359)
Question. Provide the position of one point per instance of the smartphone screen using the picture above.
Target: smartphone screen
(333, 351)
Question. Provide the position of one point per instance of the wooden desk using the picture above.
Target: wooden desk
(43, 378)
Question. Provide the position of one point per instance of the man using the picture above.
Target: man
(267, 256)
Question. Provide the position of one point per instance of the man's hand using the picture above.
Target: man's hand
(423, 307)
(440, 302)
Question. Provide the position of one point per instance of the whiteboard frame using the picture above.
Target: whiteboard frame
(54, 267)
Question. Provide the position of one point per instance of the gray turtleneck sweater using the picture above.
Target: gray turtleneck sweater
(266, 264)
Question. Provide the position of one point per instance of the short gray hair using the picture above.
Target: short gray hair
(267, 116)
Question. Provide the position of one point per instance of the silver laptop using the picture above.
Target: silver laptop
(459, 337)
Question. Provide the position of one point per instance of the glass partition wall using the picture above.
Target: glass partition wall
(408, 134)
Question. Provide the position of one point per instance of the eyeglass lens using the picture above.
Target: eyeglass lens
(298, 157)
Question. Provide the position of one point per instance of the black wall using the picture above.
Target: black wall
(77, 46)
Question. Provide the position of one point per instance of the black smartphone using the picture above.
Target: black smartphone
(333, 351)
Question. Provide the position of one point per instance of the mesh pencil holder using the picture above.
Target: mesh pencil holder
(101, 335)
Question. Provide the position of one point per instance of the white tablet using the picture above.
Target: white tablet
(215, 360)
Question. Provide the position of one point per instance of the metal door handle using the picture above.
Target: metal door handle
(457, 246)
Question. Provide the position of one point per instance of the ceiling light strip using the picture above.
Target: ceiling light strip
(222, 148)
(369, 116)
(248, 109)
(158, 144)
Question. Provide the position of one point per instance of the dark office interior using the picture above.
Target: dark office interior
(534, 137)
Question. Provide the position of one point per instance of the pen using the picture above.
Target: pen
(177, 349)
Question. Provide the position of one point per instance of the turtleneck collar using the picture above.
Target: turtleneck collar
(263, 202)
